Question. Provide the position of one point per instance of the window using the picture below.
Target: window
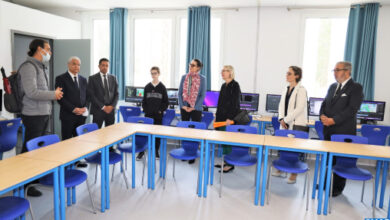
(101, 42)
(324, 44)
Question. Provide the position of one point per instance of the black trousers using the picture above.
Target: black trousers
(157, 121)
(191, 116)
(36, 126)
(68, 126)
(338, 181)
(101, 116)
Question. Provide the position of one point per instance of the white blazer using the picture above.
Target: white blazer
(297, 107)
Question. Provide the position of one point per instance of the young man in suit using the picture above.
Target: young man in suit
(103, 92)
(338, 110)
(73, 106)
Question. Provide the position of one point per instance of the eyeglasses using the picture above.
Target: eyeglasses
(289, 74)
(154, 73)
(338, 70)
(192, 65)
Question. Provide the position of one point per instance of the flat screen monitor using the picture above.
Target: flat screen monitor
(272, 103)
(315, 106)
(211, 99)
(249, 102)
(172, 96)
(371, 111)
(134, 94)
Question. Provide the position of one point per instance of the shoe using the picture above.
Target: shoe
(335, 193)
(191, 161)
(111, 149)
(157, 156)
(33, 192)
(80, 164)
(219, 165)
(140, 155)
(230, 169)
(277, 173)
(292, 179)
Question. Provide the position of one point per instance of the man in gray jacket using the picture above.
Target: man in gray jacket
(37, 98)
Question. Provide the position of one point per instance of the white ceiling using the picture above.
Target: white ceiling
(150, 4)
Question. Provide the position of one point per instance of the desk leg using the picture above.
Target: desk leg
(212, 164)
(377, 177)
(263, 128)
(321, 182)
(313, 193)
(106, 163)
(56, 194)
(328, 176)
(258, 173)
(206, 168)
(117, 116)
(133, 162)
(200, 172)
(384, 182)
(21, 194)
(103, 180)
(165, 152)
(264, 181)
(153, 159)
(62, 191)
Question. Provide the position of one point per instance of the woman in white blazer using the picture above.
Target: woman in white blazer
(293, 107)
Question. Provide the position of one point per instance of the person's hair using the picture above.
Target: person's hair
(297, 72)
(230, 68)
(73, 58)
(33, 47)
(103, 60)
(198, 63)
(347, 65)
(155, 68)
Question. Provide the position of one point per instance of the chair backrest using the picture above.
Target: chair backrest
(348, 161)
(288, 155)
(86, 128)
(127, 111)
(168, 117)
(8, 134)
(207, 118)
(42, 141)
(242, 129)
(140, 120)
(275, 123)
(376, 134)
(319, 129)
(190, 147)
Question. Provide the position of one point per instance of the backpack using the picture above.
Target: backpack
(13, 101)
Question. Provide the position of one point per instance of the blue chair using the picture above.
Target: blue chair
(207, 118)
(239, 156)
(128, 111)
(73, 177)
(346, 166)
(8, 135)
(289, 162)
(141, 142)
(96, 159)
(12, 207)
(275, 123)
(319, 127)
(189, 149)
(168, 117)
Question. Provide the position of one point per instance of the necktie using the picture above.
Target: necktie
(337, 90)
(106, 93)
(75, 82)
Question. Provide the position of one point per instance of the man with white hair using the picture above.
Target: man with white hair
(73, 105)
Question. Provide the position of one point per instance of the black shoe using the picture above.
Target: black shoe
(219, 165)
(335, 193)
(111, 149)
(157, 156)
(140, 155)
(81, 164)
(191, 161)
(228, 170)
(33, 192)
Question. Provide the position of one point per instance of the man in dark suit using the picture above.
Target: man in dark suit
(73, 105)
(103, 93)
(338, 110)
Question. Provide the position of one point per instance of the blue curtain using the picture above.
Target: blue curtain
(360, 46)
(118, 47)
(198, 39)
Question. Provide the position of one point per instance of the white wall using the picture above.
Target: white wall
(19, 18)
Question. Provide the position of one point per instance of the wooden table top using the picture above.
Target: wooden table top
(15, 170)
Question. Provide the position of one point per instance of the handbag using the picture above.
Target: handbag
(300, 128)
(242, 118)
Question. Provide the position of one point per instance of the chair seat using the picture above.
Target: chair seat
(352, 173)
(96, 158)
(181, 154)
(72, 178)
(127, 148)
(290, 167)
(12, 207)
(240, 160)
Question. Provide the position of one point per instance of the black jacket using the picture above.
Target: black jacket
(228, 101)
(96, 92)
(342, 108)
(73, 97)
(155, 99)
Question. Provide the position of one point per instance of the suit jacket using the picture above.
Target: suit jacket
(297, 107)
(73, 97)
(96, 92)
(342, 108)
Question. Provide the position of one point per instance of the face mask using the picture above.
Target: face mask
(45, 58)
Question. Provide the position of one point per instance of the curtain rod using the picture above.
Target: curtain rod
(289, 8)
(165, 9)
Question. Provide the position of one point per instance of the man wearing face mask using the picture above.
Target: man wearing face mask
(37, 97)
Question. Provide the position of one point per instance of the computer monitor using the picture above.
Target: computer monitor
(371, 111)
(315, 106)
(249, 102)
(134, 94)
(211, 99)
(172, 96)
(272, 103)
